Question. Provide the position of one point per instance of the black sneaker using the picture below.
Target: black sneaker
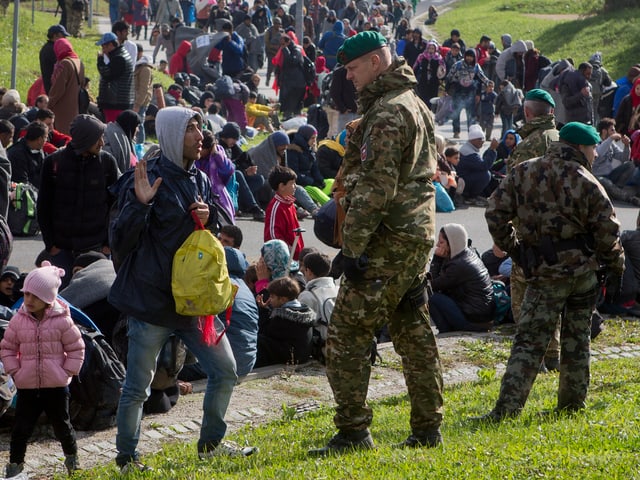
(427, 439)
(258, 215)
(344, 441)
(71, 463)
(493, 417)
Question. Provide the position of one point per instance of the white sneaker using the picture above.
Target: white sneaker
(227, 448)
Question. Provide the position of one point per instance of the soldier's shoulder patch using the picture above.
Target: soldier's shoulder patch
(363, 152)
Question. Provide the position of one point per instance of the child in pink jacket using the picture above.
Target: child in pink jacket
(42, 349)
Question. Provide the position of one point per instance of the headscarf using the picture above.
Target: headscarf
(502, 142)
(276, 256)
(62, 49)
(635, 98)
(129, 121)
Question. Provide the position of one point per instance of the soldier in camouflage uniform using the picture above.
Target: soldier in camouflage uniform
(388, 233)
(75, 16)
(567, 230)
(537, 134)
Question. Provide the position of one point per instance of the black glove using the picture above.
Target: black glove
(354, 268)
(613, 287)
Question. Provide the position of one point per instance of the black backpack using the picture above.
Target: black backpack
(325, 91)
(22, 211)
(95, 392)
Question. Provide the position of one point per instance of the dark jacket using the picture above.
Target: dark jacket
(302, 160)
(330, 154)
(73, 201)
(465, 280)
(285, 335)
(578, 108)
(26, 166)
(292, 72)
(145, 238)
(116, 80)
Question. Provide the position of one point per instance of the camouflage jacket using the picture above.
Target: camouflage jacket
(388, 165)
(536, 135)
(556, 196)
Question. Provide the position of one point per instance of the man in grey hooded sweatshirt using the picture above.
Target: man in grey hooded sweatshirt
(155, 201)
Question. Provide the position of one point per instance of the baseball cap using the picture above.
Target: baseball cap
(106, 38)
(10, 271)
(53, 29)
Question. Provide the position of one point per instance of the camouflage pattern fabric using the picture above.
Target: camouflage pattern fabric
(537, 134)
(557, 196)
(75, 19)
(389, 207)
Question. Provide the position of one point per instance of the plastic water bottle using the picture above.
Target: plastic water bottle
(139, 150)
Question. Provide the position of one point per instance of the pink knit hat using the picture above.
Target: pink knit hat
(44, 282)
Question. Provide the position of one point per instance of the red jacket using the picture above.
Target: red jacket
(42, 354)
(281, 219)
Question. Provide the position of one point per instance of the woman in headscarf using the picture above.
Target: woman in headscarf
(119, 139)
(628, 116)
(68, 74)
(429, 68)
(506, 146)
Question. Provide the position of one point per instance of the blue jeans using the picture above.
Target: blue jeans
(145, 342)
(466, 102)
(448, 317)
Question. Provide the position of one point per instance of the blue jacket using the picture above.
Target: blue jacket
(331, 42)
(232, 54)
(145, 238)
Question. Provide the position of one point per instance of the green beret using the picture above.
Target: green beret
(540, 95)
(359, 45)
(579, 133)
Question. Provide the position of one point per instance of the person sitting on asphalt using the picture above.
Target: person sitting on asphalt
(474, 169)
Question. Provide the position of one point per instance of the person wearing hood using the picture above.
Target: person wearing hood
(156, 201)
(628, 116)
(508, 103)
(464, 83)
(330, 42)
(119, 139)
(178, 62)
(73, 201)
(429, 69)
(143, 88)
(301, 157)
(509, 141)
(462, 298)
(564, 241)
(387, 235)
(243, 329)
(68, 73)
(474, 169)
(600, 80)
(232, 47)
(624, 86)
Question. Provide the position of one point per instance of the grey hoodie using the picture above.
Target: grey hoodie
(171, 124)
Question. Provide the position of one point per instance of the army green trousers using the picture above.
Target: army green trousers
(542, 305)
(362, 308)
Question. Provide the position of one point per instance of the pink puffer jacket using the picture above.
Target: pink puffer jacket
(42, 354)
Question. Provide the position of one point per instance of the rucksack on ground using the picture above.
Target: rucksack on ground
(502, 313)
(22, 218)
(95, 392)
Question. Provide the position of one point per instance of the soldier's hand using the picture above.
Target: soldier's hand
(355, 268)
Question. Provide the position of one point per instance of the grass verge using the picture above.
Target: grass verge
(601, 442)
(614, 33)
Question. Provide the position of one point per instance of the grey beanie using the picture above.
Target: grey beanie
(457, 237)
(85, 131)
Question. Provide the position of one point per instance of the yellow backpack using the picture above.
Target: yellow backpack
(199, 279)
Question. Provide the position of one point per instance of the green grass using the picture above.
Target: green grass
(601, 442)
(614, 34)
(31, 38)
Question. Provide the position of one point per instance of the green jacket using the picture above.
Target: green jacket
(537, 135)
(388, 165)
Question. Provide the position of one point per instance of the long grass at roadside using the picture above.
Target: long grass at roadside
(601, 442)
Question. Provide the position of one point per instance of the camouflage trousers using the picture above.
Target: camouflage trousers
(518, 286)
(542, 305)
(362, 308)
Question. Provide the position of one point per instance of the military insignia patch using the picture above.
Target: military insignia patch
(363, 152)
